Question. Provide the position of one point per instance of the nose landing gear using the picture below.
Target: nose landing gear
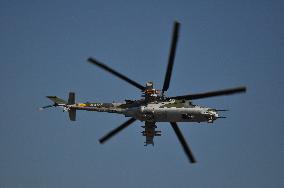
(211, 119)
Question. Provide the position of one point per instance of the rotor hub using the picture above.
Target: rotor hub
(150, 93)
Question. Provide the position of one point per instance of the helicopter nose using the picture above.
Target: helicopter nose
(216, 115)
(213, 113)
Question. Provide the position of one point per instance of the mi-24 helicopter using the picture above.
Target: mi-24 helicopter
(154, 107)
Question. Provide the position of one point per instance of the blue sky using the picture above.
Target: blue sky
(43, 51)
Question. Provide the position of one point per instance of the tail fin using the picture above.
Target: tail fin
(57, 100)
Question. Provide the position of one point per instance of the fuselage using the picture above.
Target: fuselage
(156, 111)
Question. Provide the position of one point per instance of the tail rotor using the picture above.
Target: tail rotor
(66, 105)
(71, 111)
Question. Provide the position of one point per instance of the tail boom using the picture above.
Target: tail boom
(71, 106)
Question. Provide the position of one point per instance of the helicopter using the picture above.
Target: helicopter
(153, 107)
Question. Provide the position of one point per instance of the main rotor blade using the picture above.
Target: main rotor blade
(119, 75)
(171, 57)
(212, 93)
(116, 130)
(183, 143)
